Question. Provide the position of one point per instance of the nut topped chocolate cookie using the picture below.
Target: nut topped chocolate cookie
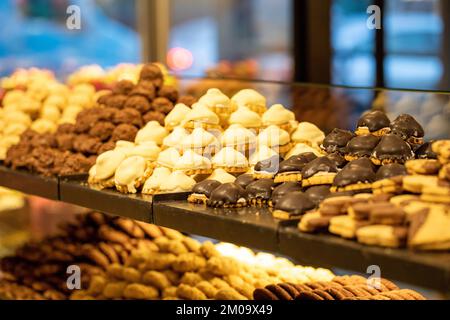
(290, 169)
(336, 140)
(267, 168)
(260, 191)
(338, 159)
(374, 122)
(228, 195)
(407, 128)
(292, 205)
(319, 171)
(391, 149)
(391, 170)
(425, 151)
(283, 189)
(354, 179)
(202, 191)
(361, 162)
(317, 193)
(361, 146)
(244, 180)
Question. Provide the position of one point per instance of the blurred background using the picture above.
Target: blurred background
(323, 41)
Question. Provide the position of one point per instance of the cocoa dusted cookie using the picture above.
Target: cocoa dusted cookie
(268, 168)
(374, 122)
(109, 145)
(292, 206)
(260, 191)
(169, 92)
(162, 104)
(65, 128)
(358, 179)
(86, 144)
(425, 151)
(361, 146)
(154, 115)
(407, 128)
(123, 87)
(138, 102)
(338, 159)
(124, 132)
(319, 171)
(116, 101)
(281, 190)
(102, 130)
(201, 192)
(228, 195)
(187, 100)
(290, 169)
(145, 89)
(65, 141)
(244, 180)
(391, 149)
(151, 72)
(318, 193)
(337, 140)
(128, 116)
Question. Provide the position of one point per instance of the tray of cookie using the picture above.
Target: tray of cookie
(74, 189)
(29, 183)
(427, 269)
(250, 226)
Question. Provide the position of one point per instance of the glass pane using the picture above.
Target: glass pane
(414, 39)
(35, 33)
(229, 38)
(353, 44)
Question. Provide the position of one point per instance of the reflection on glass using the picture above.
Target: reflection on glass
(34, 33)
(414, 35)
(352, 43)
(233, 39)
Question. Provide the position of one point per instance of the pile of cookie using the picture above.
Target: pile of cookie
(339, 288)
(182, 268)
(381, 157)
(92, 242)
(122, 258)
(217, 137)
(41, 106)
(117, 116)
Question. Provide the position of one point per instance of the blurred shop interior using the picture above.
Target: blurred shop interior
(277, 40)
(319, 58)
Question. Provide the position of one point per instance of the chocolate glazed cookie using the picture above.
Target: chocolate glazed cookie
(228, 195)
(407, 128)
(260, 191)
(391, 149)
(374, 122)
(336, 140)
(202, 191)
(361, 146)
(282, 190)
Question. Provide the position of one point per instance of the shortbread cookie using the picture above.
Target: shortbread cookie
(382, 235)
(423, 166)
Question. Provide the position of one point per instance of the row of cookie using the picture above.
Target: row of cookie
(182, 268)
(93, 242)
(190, 160)
(41, 109)
(383, 220)
(95, 131)
(339, 288)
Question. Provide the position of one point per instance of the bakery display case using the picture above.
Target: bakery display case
(225, 150)
(158, 151)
